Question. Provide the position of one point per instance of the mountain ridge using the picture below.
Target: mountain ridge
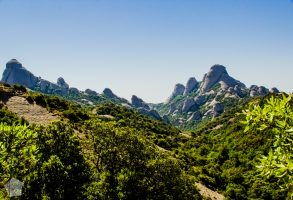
(192, 102)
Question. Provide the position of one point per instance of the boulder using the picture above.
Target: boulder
(189, 105)
(172, 109)
(218, 108)
(61, 82)
(200, 100)
(195, 116)
(191, 85)
(178, 90)
(262, 91)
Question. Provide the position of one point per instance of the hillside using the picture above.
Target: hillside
(105, 152)
(108, 151)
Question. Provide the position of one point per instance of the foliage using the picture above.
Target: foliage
(275, 117)
(125, 162)
(223, 157)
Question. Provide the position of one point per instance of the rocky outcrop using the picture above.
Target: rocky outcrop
(91, 92)
(191, 85)
(15, 73)
(108, 92)
(61, 82)
(139, 103)
(211, 96)
(218, 108)
(218, 74)
(195, 116)
(189, 105)
(144, 108)
(200, 100)
(178, 90)
(74, 91)
(274, 90)
(258, 90)
(151, 113)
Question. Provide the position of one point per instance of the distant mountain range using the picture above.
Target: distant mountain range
(188, 103)
(16, 73)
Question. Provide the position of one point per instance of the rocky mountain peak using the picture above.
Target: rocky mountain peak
(13, 63)
(108, 92)
(218, 74)
(139, 103)
(178, 90)
(15, 73)
(61, 82)
(191, 85)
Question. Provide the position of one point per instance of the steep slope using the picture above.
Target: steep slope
(87, 155)
(199, 101)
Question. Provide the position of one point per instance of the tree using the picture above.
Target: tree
(275, 117)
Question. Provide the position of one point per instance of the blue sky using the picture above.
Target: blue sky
(145, 47)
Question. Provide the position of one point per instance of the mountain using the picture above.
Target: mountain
(16, 73)
(199, 100)
(188, 104)
(62, 149)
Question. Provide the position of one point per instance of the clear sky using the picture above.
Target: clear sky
(145, 47)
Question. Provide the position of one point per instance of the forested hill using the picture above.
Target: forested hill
(102, 152)
(63, 150)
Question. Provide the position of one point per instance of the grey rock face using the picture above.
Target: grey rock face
(262, 91)
(218, 108)
(91, 92)
(139, 103)
(258, 90)
(274, 90)
(178, 90)
(108, 92)
(61, 82)
(189, 105)
(200, 100)
(74, 91)
(195, 116)
(172, 109)
(151, 113)
(15, 73)
(191, 85)
(218, 74)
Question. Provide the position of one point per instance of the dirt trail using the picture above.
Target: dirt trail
(208, 193)
(31, 112)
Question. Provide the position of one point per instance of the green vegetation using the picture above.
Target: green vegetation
(275, 117)
(109, 151)
(92, 157)
(225, 155)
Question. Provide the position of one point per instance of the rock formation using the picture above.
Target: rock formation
(209, 97)
(91, 92)
(178, 90)
(191, 85)
(218, 74)
(61, 82)
(139, 103)
(15, 73)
